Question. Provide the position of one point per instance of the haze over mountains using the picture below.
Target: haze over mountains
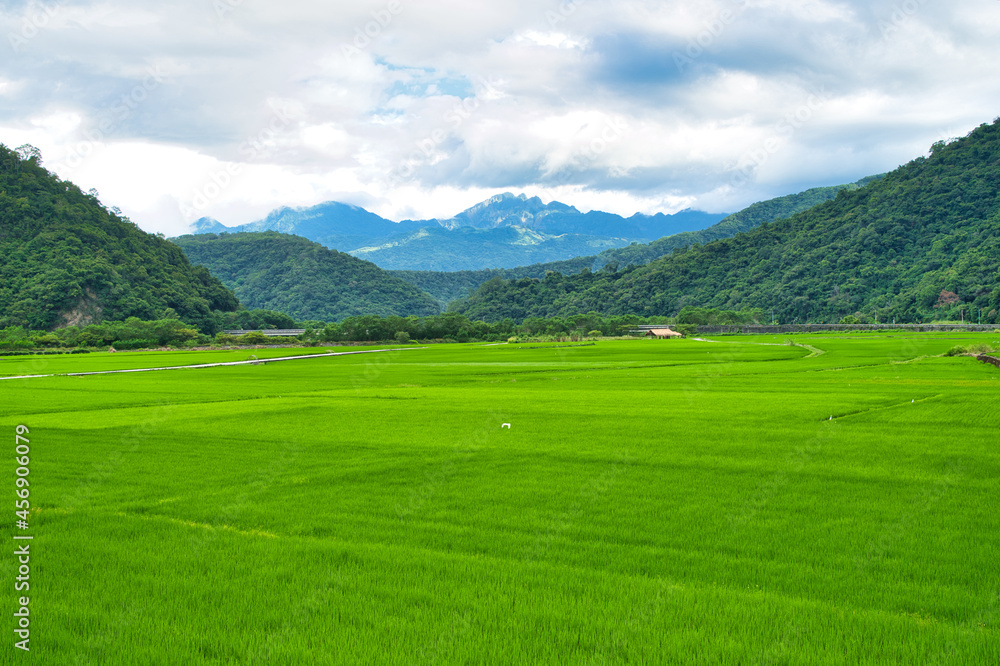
(505, 231)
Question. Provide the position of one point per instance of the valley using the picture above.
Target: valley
(844, 495)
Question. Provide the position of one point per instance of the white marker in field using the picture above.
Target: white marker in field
(505, 425)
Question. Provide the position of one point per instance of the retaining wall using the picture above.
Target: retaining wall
(989, 359)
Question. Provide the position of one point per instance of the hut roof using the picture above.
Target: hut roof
(664, 333)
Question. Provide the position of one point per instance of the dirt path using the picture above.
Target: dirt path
(212, 365)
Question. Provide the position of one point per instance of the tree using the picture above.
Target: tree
(947, 299)
(26, 152)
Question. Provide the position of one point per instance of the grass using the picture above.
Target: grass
(652, 502)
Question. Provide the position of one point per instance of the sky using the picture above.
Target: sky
(420, 109)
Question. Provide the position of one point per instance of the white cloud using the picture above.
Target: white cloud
(384, 103)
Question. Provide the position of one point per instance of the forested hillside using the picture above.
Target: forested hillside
(921, 243)
(290, 274)
(749, 218)
(452, 285)
(466, 248)
(67, 260)
(447, 286)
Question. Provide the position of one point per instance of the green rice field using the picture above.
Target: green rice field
(735, 501)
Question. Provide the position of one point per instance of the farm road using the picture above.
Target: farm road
(211, 365)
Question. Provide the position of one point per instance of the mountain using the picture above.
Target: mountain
(503, 231)
(509, 210)
(208, 225)
(448, 286)
(291, 274)
(468, 248)
(333, 224)
(67, 260)
(749, 218)
(920, 244)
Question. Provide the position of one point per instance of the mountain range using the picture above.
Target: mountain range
(920, 243)
(505, 231)
(447, 286)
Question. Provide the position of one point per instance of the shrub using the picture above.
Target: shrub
(686, 329)
(402, 337)
(979, 348)
(253, 338)
(46, 340)
(135, 344)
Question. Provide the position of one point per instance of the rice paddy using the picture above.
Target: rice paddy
(737, 500)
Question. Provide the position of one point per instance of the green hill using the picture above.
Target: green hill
(447, 286)
(452, 285)
(921, 243)
(467, 248)
(291, 274)
(67, 260)
(749, 218)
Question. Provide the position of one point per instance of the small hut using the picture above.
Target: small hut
(663, 334)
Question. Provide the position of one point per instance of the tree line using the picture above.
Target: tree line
(134, 333)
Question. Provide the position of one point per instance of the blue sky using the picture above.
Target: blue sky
(231, 108)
